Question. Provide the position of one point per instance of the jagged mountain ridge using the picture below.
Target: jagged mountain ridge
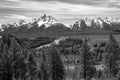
(48, 24)
(100, 22)
(44, 20)
(43, 25)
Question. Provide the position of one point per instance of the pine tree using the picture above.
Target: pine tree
(16, 59)
(114, 52)
(58, 68)
(12, 55)
(87, 61)
(52, 66)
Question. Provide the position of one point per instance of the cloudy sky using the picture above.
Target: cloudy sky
(65, 11)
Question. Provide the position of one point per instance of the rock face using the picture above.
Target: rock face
(80, 25)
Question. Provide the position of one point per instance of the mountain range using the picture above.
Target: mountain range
(50, 25)
(100, 22)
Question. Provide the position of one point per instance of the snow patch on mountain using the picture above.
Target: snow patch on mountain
(1, 28)
(88, 21)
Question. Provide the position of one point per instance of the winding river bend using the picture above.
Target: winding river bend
(56, 42)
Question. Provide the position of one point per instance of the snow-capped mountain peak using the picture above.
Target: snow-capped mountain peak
(97, 22)
(46, 20)
(51, 24)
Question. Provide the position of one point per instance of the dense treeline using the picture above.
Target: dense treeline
(20, 62)
(70, 59)
(38, 41)
(99, 61)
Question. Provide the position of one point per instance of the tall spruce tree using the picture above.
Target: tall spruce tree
(12, 55)
(87, 61)
(114, 52)
(52, 66)
(58, 68)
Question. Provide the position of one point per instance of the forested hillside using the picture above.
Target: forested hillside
(71, 59)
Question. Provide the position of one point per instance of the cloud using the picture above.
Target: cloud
(63, 10)
(86, 2)
(13, 0)
(36, 4)
(14, 16)
(52, 6)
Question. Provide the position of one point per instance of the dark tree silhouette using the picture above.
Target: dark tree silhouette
(12, 55)
(114, 50)
(58, 68)
(87, 61)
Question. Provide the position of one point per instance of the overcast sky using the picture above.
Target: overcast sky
(65, 11)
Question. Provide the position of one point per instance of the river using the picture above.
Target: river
(56, 42)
